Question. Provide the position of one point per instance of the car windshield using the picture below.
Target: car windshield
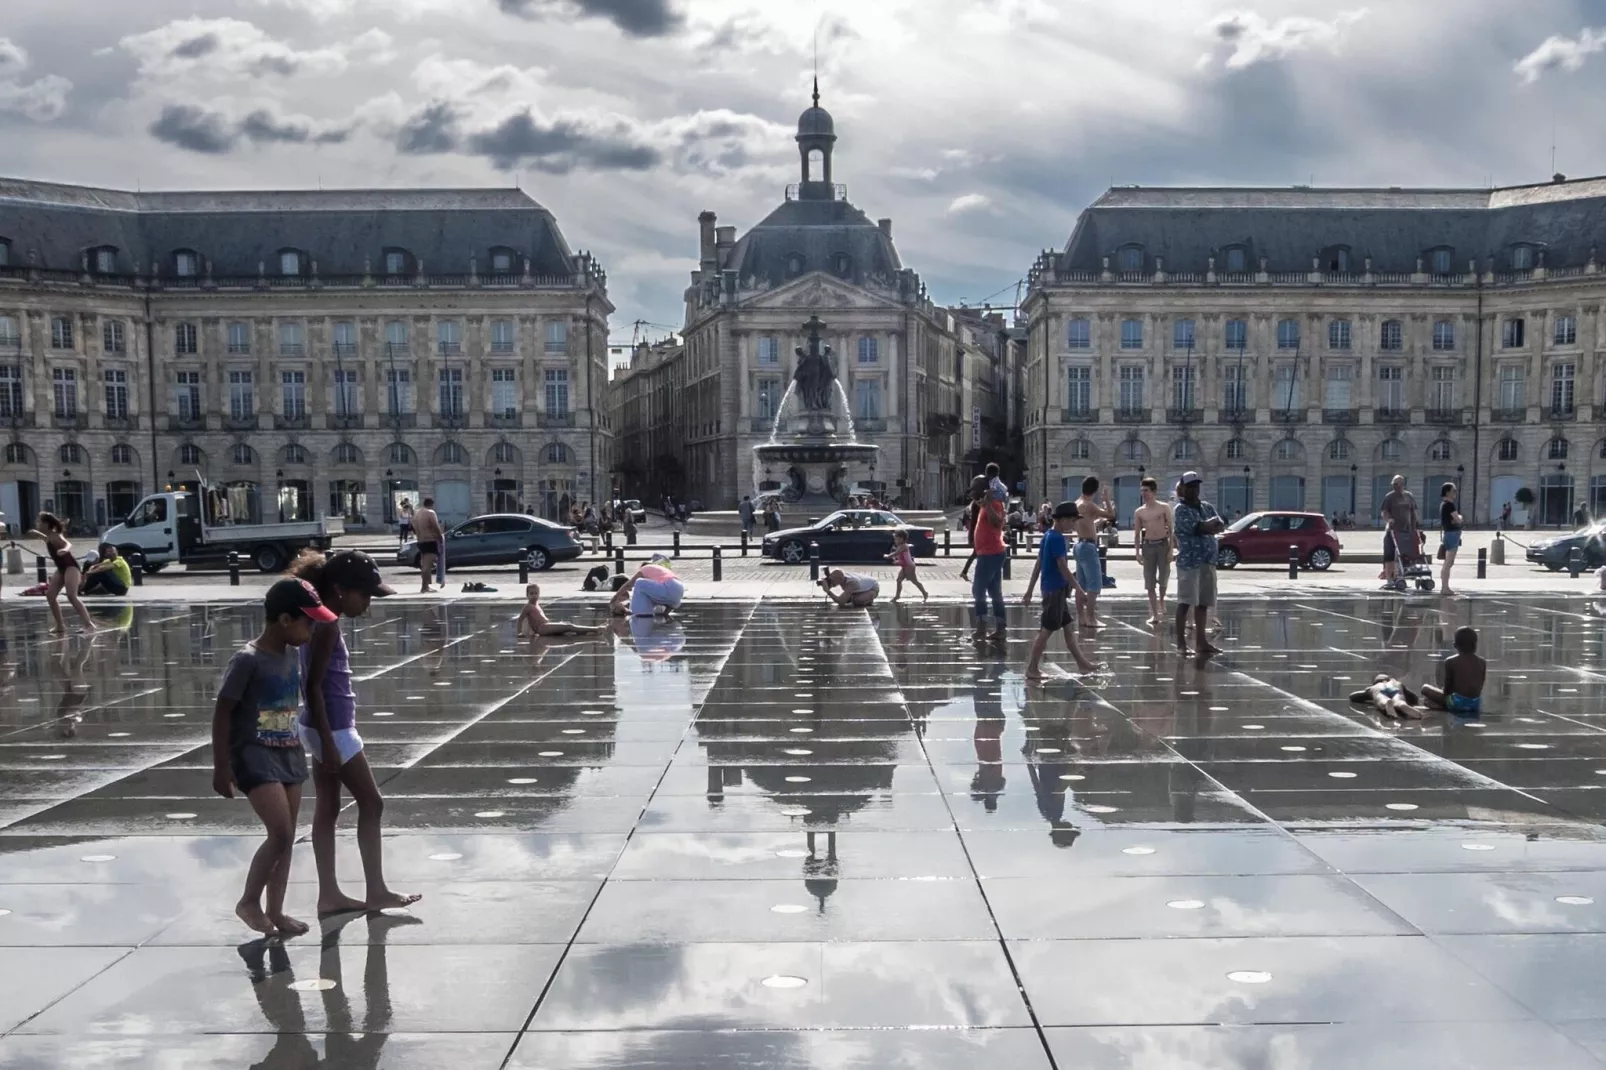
(1243, 522)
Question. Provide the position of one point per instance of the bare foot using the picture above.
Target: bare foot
(1207, 649)
(286, 925)
(339, 903)
(254, 919)
(1183, 650)
(1034, 675)
(388, 899)
(897, 598)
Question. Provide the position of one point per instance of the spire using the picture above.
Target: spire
(816, 90)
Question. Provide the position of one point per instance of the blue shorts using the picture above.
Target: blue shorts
(1089, 572)
(1462, 704)
(1452, 539)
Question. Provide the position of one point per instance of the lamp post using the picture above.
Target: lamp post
(279, 491)
(1248, 494)
(1353, 477)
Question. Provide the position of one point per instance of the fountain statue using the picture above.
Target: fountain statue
(814, 459)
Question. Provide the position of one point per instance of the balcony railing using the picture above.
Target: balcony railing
(506, 419)
(191, 421)
(1561, 412)
(399, 419)
(295, 421)
(1508, 416)
(450, 349)
(1133, 416)
(1079, 416)
(1289, 416)
(1185, 415)
(16, 419)
(345, 349)
(1236, 416)
(345, 421)
(232, 422)
(292, 349)
(1445, 417)
(239, 349)
(74, 421)
(554, 419)
(501, 348)
(120, 423)
(1381, 415)
(1338, 416)
(450, 420)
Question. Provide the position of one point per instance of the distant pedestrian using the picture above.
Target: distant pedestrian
(109, 575)
(1155, 539)
(1058, 582)
(745, 511)
(428, 527)
(1505, 515)
(1196, 524)
(1092, 511)
(404, 520)
(988, 583)
(857, 590)
(972, 511)
(1450, 533)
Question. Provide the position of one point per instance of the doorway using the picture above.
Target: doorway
(1338, 495)
(453, 500)
(1128, 496)
(1288, 493)
(1503, 491)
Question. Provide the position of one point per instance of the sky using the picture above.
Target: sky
(982, 127)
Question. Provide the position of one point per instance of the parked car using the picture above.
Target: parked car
(638, 512)
(848, 535)
(501, 539)
(1554, 553)
(1264, 538)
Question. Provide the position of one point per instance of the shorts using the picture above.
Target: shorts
(430, 547)
(647, 595)
(254, 765)
(1452, 539)
(1156, 563)
(347, 742)
(1089, 570)
(1462, 703)
(1056, 610)
(1196, 586)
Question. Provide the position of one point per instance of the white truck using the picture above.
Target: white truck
(190, 527)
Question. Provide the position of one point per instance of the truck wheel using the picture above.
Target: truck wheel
(151, 570)
(268, 558)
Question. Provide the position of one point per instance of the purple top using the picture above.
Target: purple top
(339, 701)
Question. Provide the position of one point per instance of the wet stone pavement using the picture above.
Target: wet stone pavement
(777, 834)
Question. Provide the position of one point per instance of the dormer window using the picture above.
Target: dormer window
(1129, 259)
(398, 262)
(1335, 259)
(186, 264)
(1237, 259)
(291, 263)
(794, 265)
(1522, 258)
(104, 260)
(842, 265)
(503, 261)
(1441, 261)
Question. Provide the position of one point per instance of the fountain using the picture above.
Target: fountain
(816, 456)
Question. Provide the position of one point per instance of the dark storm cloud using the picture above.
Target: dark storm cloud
(192, 128)
(196, 47)
(637, 18)
(429, 131)
(559, 147)
(263, 127)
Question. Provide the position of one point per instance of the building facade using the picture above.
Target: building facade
(1299, 347)
(316, 353)
(647, 419)
(896, 353)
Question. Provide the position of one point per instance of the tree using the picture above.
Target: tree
(1524, 497)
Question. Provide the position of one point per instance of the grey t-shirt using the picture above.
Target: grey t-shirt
(858, 583)
(266, 689)
(1400, 505)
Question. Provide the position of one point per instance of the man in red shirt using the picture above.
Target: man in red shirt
(988, 542)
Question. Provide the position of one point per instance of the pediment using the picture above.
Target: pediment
(818, 291)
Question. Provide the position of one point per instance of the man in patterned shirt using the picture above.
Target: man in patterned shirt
(1196, 524)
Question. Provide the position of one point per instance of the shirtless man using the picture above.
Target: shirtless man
(1155, 539)
(1090, 512)
(427, 529)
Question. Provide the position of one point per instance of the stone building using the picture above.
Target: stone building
(646, 416)
(1298, 347)
(318, 353)
(896, 353)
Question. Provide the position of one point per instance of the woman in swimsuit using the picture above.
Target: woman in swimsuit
(53, 530)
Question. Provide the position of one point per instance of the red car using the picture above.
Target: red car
(1264, 538)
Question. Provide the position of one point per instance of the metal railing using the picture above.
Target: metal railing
(1338, 416)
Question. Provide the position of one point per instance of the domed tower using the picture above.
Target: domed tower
(816, 134)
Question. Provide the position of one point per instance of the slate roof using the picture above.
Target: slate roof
(1291, 226)
(339, 229)
(816, 230)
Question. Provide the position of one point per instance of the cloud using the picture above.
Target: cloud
(561, 146)
(214, 133)
(1558, 53)
(42, 100)
(637, 18)
(230, 50)
(1246, 38)
(970, 202)
(432, 129)
(325, 10)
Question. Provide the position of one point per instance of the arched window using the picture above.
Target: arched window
(1443, 334)
(186, 263)
(294, 453)
(71, 453)
(1557, 449)
(16, 453)
(1079, 449)
(1079, 333)
(122, 453)
(292, 263)
(400, 453)
(557, 453)
(398, 261)
(1236, 259)
(1390, 450)
(1510, 450)
(1338, 332)
(1566, 332)
(450, 452)
(1338, 450)
(347, 453)
(190, 455)
(1288, 449)
(1522, 257)
(1133, 452)
(816, 162)
(1391, 336)
(504, 453)
(240, 453)
(1235, 450)
(1288, 334)
(1442, 450)
(1185, 450)
(1237, 334)
(1129, 258)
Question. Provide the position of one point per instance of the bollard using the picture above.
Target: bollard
(744, 542)
(1483, 563)
(1104, 564)
(618, 560)
(136, 567)
(234, 568)
(814, 561)
(607, 538)
(524, 570)
(1293, 562)
(719, 565)
(40, 568)
(947, 542)
(677, 543)
(1008, 557)
(1575, 561)
(1497, 550)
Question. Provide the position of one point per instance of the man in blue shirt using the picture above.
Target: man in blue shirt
(1196, 524)
(1058, 582)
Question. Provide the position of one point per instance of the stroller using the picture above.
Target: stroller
(1411, 567)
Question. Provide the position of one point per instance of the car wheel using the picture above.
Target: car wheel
(1553, 566)
(794, 552)
(538, 558)
(268, 558)
(1227, 557)
(1321, 559)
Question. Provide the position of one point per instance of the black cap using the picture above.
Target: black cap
(296, 596)
(355, 571)
(1066, 511)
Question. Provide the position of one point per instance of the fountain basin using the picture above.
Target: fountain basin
(816, 472)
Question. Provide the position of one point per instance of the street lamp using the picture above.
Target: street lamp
(1248, 494)
(279, 475)
(1353, 477)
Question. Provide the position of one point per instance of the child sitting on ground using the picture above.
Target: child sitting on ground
(541, 625)
(1390, 697)
(903, 556)
(1461, 677)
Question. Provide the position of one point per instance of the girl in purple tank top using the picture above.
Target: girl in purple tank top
(346, 582)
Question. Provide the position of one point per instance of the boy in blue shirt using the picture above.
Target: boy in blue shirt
(1058, 583)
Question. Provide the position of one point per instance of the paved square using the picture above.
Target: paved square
(777, 834)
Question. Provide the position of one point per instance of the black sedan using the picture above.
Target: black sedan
(1555, 553)
(848, 535)
(501, 539)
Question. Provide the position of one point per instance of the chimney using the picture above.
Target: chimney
(705, 224)
(724, 237)
(1558, 177)
(886, 227)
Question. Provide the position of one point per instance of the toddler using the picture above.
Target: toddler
(903, 556)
